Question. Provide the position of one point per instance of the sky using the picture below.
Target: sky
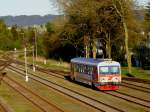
(142, 2)
(27, 7)
(31, 7)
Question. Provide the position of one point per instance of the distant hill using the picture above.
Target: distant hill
(24, 20)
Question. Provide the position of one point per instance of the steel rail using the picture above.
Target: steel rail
(73, 94)
(34, 98)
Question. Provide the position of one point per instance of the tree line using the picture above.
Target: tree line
(86, 27)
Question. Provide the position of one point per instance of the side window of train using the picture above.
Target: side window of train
(76, 67)
(79, 67)
(91, 70)
(85, 69)
(82, 68)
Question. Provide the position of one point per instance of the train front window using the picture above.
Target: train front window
(109, 70)
(104, 70)
(114, 70)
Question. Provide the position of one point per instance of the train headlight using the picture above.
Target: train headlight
(115, 79)
(102, 80)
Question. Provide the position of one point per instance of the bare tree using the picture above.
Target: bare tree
(123, 9)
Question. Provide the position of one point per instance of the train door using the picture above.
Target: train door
(95, 74)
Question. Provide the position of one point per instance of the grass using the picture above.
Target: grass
(51, 64)
(15, 100)
(56, 98)
(137, 72)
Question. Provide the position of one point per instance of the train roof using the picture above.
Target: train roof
(94, 62)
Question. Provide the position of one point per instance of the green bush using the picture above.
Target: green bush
(146, 67)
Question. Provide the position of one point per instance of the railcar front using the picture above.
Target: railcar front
(109, 75)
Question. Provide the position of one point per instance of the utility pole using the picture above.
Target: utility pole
(25, 59)
(35, 43)
(33, 58)
(26, 69)
(15, 54)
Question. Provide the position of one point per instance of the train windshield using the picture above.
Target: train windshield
(109, 70)
(104, 70)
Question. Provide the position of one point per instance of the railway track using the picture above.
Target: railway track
(125, 84)
(63, 73)
(38, 101)
(136, 87)
(98, 105)
(130, 83)
(42, 69)
(129, 98)
(136, 100)
(145, 81)
(4, 107)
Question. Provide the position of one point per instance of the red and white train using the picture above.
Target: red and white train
(103, 74)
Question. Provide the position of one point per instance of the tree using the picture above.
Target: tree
(143, 48)
(6, 42)
(147, 19)
(49, 27)
(94, 19)
(14, 32)
(91, 19)
(49, 39)
(72, 36)
(124, 10)
(110, 21)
